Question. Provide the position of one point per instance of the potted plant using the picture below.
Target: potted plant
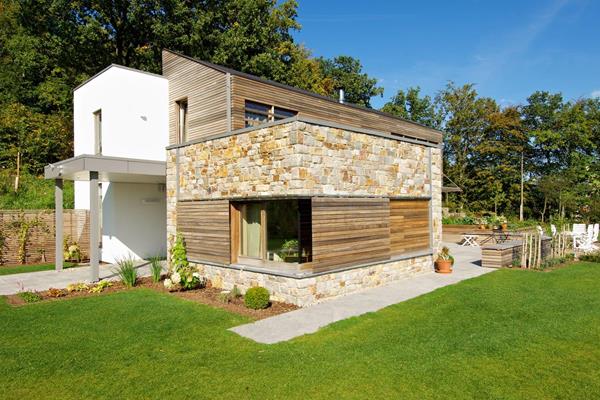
(444, 262)
(503, 222)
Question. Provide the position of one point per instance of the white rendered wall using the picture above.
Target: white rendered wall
(135, 122)
(134, 221)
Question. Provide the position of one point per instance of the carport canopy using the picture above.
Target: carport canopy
(95, 169)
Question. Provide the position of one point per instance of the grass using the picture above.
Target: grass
(512, 334)
(21, 269)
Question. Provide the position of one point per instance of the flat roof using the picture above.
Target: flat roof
(110, 169)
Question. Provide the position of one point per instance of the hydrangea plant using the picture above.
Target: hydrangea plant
(182, 274)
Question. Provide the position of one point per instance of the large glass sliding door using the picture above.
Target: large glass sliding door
(274, 232)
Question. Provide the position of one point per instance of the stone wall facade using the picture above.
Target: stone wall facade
(307, 159)
(311, 290)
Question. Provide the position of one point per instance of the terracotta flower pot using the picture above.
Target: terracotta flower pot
(504, 227)
(443, 266)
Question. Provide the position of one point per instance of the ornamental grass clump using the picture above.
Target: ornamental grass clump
(182, 275)
(257, 298)
(127, 272)
(155, 268)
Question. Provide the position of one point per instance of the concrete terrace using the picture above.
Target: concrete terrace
(310, 319)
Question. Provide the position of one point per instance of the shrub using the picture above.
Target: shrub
(100, 286)
(53, 292)
(257, 298)
(182, 274)
(30, 297)
(155, 268)
(127, 272)
(227, 297)
(77, 287)
(591, 257)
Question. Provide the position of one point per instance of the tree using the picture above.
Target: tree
(345, 73)
(411, 106)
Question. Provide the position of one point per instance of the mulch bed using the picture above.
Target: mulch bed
(207, 295)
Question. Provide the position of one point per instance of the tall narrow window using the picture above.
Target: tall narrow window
(98, 132)
(182, 110)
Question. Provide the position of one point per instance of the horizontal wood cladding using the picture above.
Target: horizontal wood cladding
(349, 231)
(206, 92)
(205, 227)
(409, 226)
(318, 108)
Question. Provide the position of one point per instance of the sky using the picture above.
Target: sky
(508, 48)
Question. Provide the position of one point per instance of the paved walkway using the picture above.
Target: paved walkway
(44, 280)
(308, 320)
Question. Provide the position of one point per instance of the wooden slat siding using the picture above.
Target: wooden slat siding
(206, 93)
(409, 226)
(349, 231)
(205, 227)
(313, 107)
(75, 227)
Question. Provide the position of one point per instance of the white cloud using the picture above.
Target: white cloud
(595, 93)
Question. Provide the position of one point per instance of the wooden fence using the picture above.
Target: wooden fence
(40, 244)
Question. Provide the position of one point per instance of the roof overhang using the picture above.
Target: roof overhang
(110, 169)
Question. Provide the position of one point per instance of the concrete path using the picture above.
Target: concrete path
(44, 280)
(308, 320)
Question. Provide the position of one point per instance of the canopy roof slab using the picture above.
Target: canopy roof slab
(109, 169)
(95, 169)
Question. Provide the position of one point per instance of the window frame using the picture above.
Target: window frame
(270, 112)
(182, 121)
(98, 132)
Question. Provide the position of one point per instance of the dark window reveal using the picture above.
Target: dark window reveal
(258, 113)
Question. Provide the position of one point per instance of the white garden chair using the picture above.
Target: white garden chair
(579, 235)
(586, 241)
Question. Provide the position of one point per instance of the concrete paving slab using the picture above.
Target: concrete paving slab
(44, 280)
(310, 319)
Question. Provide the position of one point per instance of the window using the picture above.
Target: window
(272, 232)
(258, 113)
(98, 132)
(182, 122)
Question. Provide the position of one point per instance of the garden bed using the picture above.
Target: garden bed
(206, 295)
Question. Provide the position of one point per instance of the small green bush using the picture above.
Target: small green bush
(30, 297)
(257, 298)
(591, 257)
(127, 272)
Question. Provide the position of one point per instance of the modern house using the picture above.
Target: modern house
(268, 184)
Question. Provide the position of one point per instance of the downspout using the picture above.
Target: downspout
(430, 173)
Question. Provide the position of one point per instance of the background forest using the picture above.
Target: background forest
(47, 47)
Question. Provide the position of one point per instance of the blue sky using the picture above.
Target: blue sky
(508, 48)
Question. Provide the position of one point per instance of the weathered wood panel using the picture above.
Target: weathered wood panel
(349, 231)
(409, 226)
(205, 227)
(41, 244)
(319, 108)
(206, 92)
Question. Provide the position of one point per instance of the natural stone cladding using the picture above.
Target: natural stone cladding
(307, 291)
(307, 159)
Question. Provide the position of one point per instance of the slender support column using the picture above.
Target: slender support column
(94, 227)
(58, 223)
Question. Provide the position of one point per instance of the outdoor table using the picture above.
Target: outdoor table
(469, 240)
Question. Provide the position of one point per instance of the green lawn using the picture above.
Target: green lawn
(510, 334)
(20, 269)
